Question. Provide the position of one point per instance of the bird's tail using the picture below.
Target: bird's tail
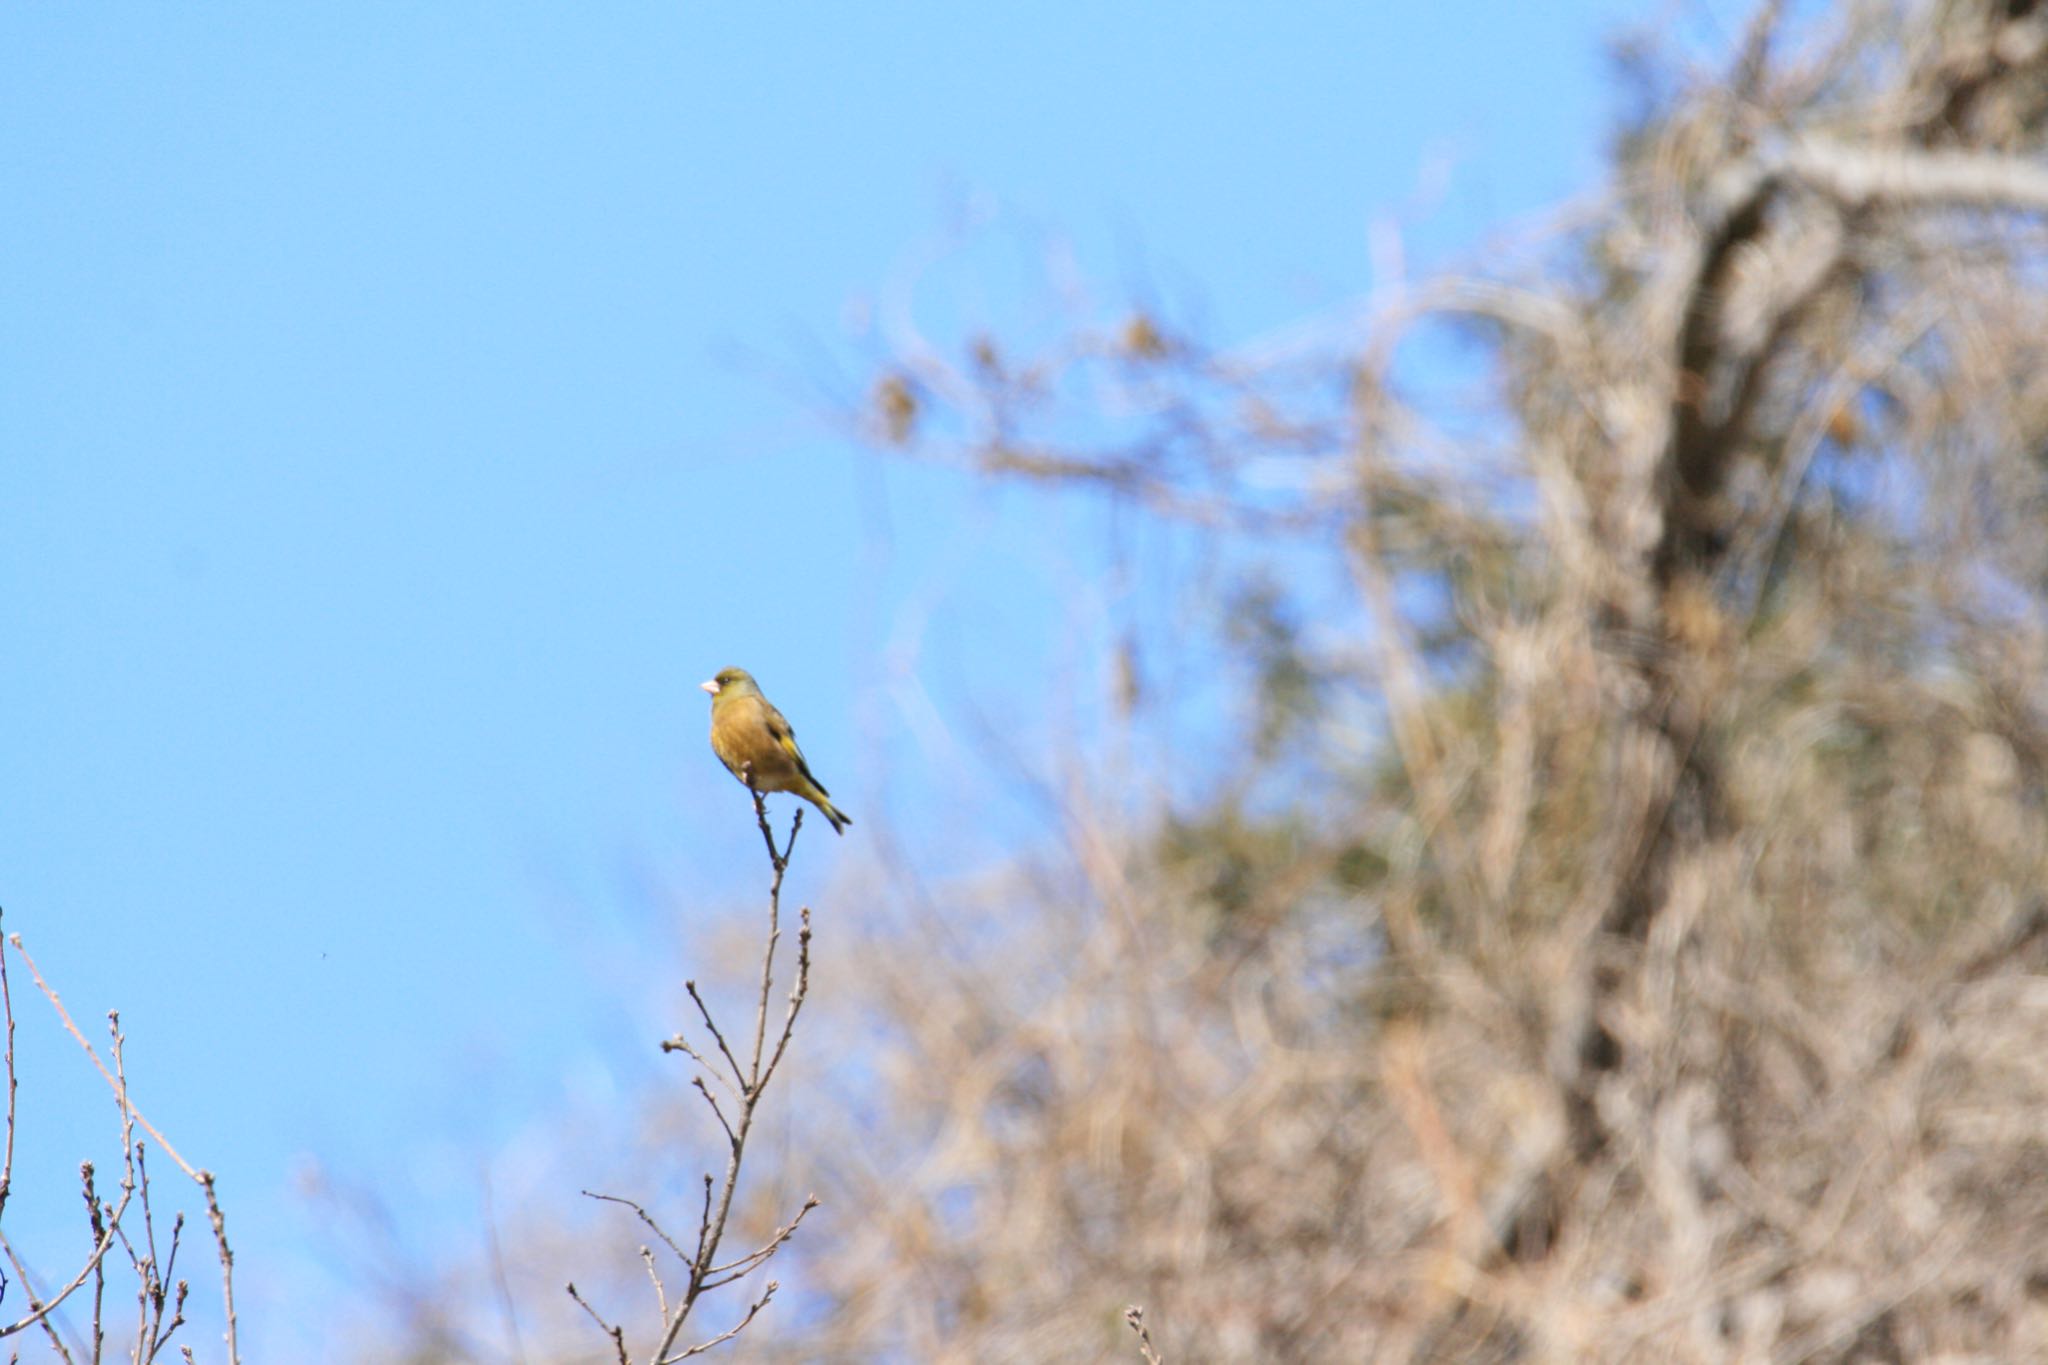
(815, 794)
(840, 820)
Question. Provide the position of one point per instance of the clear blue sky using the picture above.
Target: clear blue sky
(402, 408)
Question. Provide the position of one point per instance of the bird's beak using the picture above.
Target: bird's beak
(711, 687)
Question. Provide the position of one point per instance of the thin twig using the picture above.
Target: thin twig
(729, 1333)
(704, 1218)
(617, 1334)
(654, 1275)
(678, 1043)
(130, 1113)
(39, 1311)
(95, 1220)
(645, 1217)
(768, 1248)
(7, 1008)
(749, 1083)
(716, 1112)
(64, 1016)
(703, 1009)
(227, 1263)
(1135, 1316)
(797, 993)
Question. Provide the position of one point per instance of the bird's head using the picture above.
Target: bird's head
(730, 682)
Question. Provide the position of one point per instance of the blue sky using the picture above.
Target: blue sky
(403, 407)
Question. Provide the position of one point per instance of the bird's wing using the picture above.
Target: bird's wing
(779, 728)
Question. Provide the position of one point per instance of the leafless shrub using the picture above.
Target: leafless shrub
(742, 1077)
(123, 1227)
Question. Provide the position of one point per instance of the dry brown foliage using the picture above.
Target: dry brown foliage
(1668, 982)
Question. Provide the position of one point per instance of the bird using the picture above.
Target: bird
(755, 743)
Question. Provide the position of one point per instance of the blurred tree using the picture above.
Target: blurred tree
(1669, 987)
(1621, 933)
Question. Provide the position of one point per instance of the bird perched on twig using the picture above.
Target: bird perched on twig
(756, 745)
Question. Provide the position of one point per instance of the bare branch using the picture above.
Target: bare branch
(752, 1261)
(7, 1008)
(1910, 176)
(1135, 1316)
(227, 1263)
(64, 1016)
(716, 1112)
(617, 1335)
(704, 1010)
(645, 1217)
(729, 1333)
(751, 1078)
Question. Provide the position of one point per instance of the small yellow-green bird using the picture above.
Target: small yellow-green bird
(749, 735)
